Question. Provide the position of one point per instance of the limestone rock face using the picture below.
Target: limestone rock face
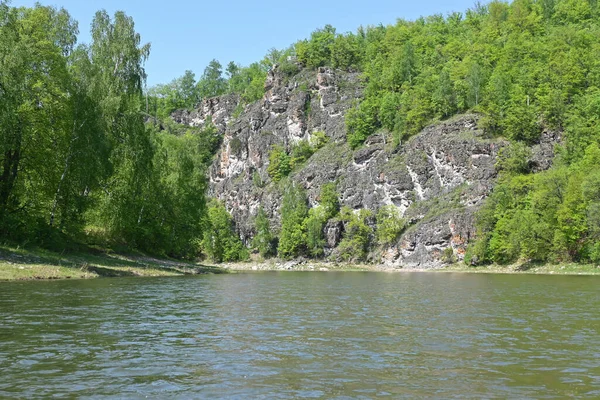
(438, 179)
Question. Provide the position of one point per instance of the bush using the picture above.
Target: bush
(357, 236)
(220, 242)
(514, 159)
(329, 200)
(257, 180)
(301, 152)
(318, 140)
(279, 163)
(448, 256)
(361, 122)
(389, 224)
(264, 240)
(314, 224)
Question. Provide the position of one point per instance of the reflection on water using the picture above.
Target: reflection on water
(303, 335)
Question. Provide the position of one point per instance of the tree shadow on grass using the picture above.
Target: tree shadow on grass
(527, 265)
(104, 263)
(107, 272)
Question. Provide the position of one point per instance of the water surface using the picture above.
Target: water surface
(302, 335)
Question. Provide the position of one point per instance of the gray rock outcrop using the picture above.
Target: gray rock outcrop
(438, 179)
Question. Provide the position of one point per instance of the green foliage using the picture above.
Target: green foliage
(514, 159)
(72, 129)
(326, 48)
(448, 256)
(294, 210)
(329, 200)
(212, 83)
(318, 140)
(181, 93)
(314, 224)
(248, 82)
(357, 235)
(389, 224)
(550, 216)
(316, 52)
(362, 122)
(220, 242)
(301, 152)
(238, 111)
(514, 70)
(279, 163)
(257, 180)
(264, 241)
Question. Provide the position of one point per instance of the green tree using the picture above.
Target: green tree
(117, 56)
(357, 234)
(263, 239)
(35, 111)
(329, 200)
(220, 242)
(316, 52)
(294, 210)
(212, 83)
(389, 224)
(279, 163)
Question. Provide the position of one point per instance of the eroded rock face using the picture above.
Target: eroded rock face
(438, 179)
(290, 112)
(218, 110)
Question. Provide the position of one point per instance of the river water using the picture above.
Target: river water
(302, 335)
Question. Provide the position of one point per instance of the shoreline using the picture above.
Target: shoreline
(30, 265)
(321, 266)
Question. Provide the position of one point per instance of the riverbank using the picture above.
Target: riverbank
(308, 265)
(35, 264)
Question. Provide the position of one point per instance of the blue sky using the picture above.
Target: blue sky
(187, 34)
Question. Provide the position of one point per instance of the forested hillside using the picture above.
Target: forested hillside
(89, 155)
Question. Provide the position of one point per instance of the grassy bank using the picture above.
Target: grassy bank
(33, 264)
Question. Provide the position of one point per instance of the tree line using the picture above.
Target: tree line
(78, 163)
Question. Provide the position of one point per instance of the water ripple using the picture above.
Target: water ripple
(297, 335)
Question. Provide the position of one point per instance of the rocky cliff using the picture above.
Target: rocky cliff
(438, 179)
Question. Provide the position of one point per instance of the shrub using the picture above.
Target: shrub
(389, 224)
(279, 163)
(361, 122)
(357, 236)
(314, 224)
(514, 159)
(220, 242)
(301, 152)
(263, 241)
(257, 180)
(448, 256)
(329, 200)
(318, 140)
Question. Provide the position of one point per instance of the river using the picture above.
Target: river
(347, 335)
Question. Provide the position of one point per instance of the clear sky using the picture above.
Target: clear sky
(187, 34)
